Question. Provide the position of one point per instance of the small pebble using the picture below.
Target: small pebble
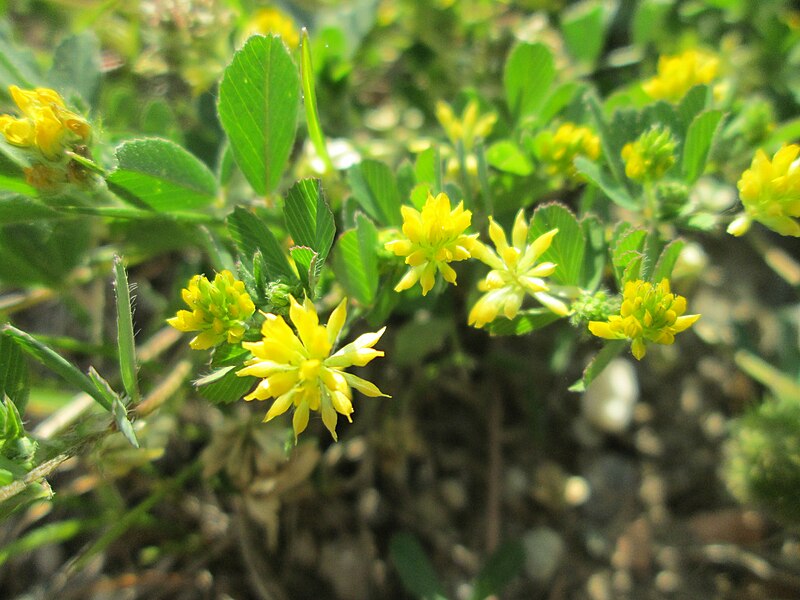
(576, 491)
(668, 582)
(609, 402)
(544, 550)
(598, 586)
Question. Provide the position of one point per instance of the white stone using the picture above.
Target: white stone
(609, 402)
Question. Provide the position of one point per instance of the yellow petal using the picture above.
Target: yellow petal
(300, 419)
(603, 330)
(336, 321)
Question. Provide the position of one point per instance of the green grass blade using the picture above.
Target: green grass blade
(55, 362)
(125, 341)
(310, 103)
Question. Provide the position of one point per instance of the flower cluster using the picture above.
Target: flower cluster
(514, 273)
(433, 238)
(299, 370)
(46, 125)
(219, 310)
(651, 155)
(45, 130)
(558, 151)
(679, 73)
(649, 313)
(770, 193)
(469, 128)
(266, 21)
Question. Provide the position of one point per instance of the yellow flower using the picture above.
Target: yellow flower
(649, 313)
(219, 310)
(46, 123)
(651, 155)
(433, 238)
(679, 73)
(469, 128)
(514, 273)
(558, 151)
(266, 21)
(770, 193)
(300, 371)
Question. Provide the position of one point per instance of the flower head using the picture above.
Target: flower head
(514, 273)
(432, 239)
(46, 125)
(219, 310)
(649, 313)
(266, 21)
(299, 370)
(679, 73)
(770, 193)
(650, 155)
(469, 128)
(558, 151)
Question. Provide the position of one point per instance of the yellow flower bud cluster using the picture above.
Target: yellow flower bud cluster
(219, 310)
(679, 73)
(558, 151)
(770, 193)
(649, 313)
(46, 129)
(651, 155)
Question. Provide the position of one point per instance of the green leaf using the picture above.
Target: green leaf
(594, 259)
(309, 265)
(559, 98)
(649, 19)
(600, 361)
(17, 66)
(223, 386)
(507, 157)
(56, 363)
(251, 234)
(529, 71)
(699, 139)
(628, 253)
(584, 30)
(11, 426)
(14, 382)
(666, 262)
(692, 104)
(415, 570)
(162, 175)
(611, 146)
(416, 340)
(355, 261)
(42, 251)
(615, 191)
(76, 66)
(783, 386)
(15, 184)
(43, 535)
(125, 341)
(525, 322)
(425, 166)
(503, 565)
(375, 189)
(124, 425)
(309, 218)
(259, 99)
(568, 246)
(310, 103)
